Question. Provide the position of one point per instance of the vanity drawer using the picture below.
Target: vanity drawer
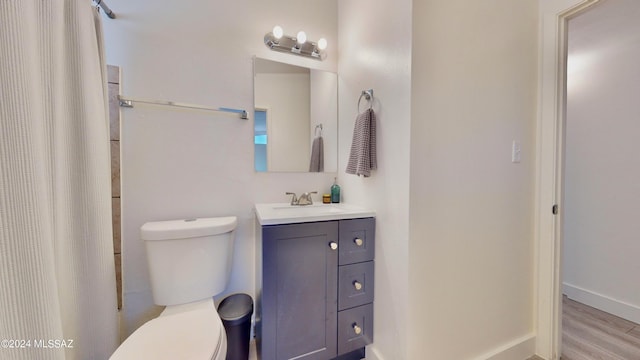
(355, 328)
(356, 240)
(355, 285)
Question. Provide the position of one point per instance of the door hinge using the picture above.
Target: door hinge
(554, 209)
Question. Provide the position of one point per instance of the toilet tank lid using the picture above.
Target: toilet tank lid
(187, 228)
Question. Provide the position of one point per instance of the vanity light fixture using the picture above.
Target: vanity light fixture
(322, 44)
(277, 32)
(301, 37)
(276, 40)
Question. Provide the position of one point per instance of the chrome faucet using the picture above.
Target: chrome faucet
(305, 198)
(294, 199)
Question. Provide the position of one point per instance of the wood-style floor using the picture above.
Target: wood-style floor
(587, 334)
(591, 334)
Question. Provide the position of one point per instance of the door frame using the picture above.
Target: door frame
(554, 17)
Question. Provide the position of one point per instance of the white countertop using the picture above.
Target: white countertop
(285, 213)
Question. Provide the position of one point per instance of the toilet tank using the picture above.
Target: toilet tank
(189, 260)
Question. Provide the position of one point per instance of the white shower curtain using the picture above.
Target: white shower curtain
(57, 280)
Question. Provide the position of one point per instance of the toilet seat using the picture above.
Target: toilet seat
(189, 332)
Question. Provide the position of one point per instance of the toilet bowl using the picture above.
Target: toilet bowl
(192, 331)
(189, 262)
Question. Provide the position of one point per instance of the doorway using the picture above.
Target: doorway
(261, 140)
(601, 195)
(555, 16)
(602, 165)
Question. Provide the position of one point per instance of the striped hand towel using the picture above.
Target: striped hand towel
(362, 158)
(317, 155)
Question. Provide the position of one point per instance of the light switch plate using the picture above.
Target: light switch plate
(516, 152)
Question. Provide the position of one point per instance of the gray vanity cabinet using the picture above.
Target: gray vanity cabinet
(316, 295)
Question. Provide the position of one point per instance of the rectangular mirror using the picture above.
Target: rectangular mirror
(295, 119)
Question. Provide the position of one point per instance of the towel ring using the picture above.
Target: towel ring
(368, 95)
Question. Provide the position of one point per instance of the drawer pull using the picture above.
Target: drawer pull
(357, 329)
(358, 241)
(333, 245)
(357, 285)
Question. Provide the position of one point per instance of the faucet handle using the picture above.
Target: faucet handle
(305, 198)
(294, 199)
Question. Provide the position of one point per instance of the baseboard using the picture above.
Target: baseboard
(602, 302)
(520, 348)
(372, 354)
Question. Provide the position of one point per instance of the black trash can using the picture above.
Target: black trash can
(235, 312)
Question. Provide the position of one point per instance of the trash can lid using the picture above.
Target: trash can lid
(235, 308)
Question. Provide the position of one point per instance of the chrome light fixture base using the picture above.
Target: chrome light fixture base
(289, 44)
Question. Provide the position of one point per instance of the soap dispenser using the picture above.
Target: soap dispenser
(335, 191)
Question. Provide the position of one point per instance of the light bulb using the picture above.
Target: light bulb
(277, 32)
(322, 43)
(302, 37)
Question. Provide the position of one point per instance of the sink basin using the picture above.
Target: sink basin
(309, 209)
(283, 213)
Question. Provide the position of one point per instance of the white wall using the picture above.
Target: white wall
(602, 173)
(375, 52)
(471, 247)
(178, 164)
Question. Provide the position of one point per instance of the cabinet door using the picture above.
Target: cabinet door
(300, 291)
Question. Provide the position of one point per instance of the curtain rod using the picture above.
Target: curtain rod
(105, 8)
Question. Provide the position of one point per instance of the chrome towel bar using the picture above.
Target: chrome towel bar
(128, 102)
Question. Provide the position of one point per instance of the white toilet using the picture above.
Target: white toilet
(189, 262)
